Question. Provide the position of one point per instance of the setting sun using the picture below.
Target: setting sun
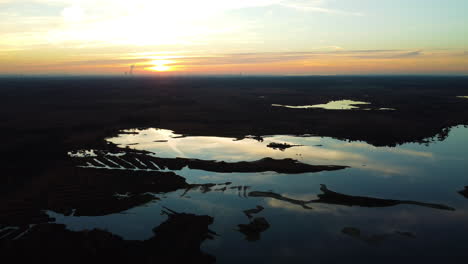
(161, 65)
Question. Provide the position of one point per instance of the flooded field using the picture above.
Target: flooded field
(205, 170)
(385, 199)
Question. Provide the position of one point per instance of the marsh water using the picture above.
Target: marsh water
(332, 105)
(339, 105)
(388, 202)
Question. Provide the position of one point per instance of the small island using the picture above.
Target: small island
(281, 146)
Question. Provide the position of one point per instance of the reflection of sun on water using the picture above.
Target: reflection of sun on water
(161, 65)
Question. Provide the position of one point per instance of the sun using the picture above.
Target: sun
(161, 68)
(161, 65)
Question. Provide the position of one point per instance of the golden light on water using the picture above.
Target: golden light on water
(161, 65)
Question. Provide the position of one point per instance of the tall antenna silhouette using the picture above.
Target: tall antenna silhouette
(131, 69)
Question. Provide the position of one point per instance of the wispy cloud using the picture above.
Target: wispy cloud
(26, 23)
(273, 57)
(199, 6)
(315, 6)
(316, 62)
(253, 58)
(389, 55)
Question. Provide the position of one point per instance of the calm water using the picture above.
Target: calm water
(332, 105)
(324, 232)
(338, 105)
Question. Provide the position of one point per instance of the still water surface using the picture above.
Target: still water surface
(332, 105)
(431, 173)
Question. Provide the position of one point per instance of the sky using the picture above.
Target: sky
(189, 37)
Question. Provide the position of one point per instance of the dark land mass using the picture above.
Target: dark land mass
(89, 192)
(255, 210)
(330, 197)
(140, 161)
(464, 192)
(281, 146)
(253, 230)
(41, 119)
(177, 240)
(256, 226)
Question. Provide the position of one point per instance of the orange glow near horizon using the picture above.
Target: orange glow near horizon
(161, 66)
(276, 63)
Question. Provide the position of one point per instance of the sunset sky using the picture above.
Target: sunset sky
(284, 37)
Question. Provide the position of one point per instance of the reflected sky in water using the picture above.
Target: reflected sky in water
(386, 161)
(332, 105)
(425, 173)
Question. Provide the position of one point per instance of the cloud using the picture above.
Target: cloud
(200, 6)
(73, 13)
(253, 58)
(117, 58)
(315, 6)
(103, 62)
(390, 55)
(137, 23)
(277, 57)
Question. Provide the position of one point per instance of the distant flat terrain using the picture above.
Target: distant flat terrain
(103, 146)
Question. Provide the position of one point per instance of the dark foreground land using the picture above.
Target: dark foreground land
(41, 119)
